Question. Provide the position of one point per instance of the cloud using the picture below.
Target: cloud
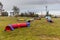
(8, 4)
(32, 2)
(26, 4)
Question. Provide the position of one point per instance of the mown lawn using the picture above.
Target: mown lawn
(38, 30)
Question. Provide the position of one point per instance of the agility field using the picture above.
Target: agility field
(38, 30)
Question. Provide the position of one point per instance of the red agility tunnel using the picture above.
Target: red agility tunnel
(19, 25)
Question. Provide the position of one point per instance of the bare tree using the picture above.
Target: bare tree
(15, 10)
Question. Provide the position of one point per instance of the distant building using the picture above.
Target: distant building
(4, 13)
(11, 13)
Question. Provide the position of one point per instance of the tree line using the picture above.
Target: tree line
(29, 14)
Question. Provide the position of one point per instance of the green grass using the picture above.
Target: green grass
(38, 30)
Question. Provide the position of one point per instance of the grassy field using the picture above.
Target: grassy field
(38, 30)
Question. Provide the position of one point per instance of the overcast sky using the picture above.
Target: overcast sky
(31, 5)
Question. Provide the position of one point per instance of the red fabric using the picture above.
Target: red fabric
(7, 28)
(19, 25)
